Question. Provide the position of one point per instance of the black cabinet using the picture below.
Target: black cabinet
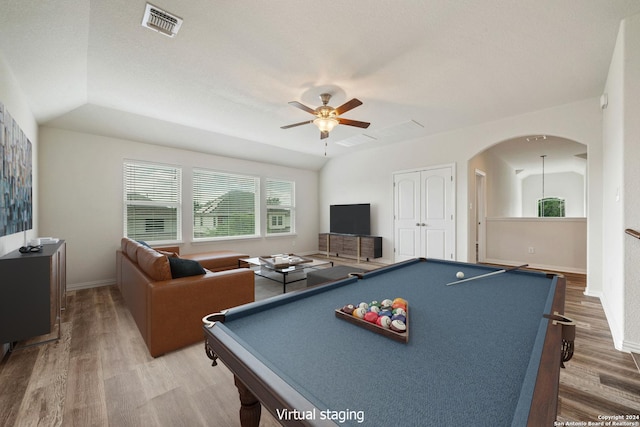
(32, 292)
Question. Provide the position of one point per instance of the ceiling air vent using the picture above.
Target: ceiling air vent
(161, 21)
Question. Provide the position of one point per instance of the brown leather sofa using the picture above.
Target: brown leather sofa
(169, 311)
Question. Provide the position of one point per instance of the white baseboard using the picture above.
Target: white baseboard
(87, 285)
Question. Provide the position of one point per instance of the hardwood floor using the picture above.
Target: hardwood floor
(100, 373)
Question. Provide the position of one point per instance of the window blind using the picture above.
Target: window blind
(224, 205)
(280, 201)
(152, 202)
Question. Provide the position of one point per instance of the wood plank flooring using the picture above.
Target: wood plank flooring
(100, 373)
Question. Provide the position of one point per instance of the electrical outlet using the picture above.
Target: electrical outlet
(532, 250)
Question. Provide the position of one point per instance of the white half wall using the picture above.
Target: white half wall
(82, 200)
(557, 244)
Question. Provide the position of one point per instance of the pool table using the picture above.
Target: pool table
(481, 352)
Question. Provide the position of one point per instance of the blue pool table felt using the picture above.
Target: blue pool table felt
(472, 351)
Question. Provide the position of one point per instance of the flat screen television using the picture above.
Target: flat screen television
(350, 219)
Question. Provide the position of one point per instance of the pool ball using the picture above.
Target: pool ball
(348, 309)
(384, 321)
(387, 313)
(374, 303)
(401, 305)
(399, 310)
(398, 326)
(402, 300)
(386, 303)
(371, 317)
(399, 317)
(364, 305)
(374, 309)
(359, 312)
(460, 275)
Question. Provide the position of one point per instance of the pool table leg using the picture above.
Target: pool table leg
(250, 407)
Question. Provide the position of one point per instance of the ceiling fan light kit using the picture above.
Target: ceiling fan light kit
(327, 117)
(325, 124)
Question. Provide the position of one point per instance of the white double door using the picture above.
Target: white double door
(424, 217)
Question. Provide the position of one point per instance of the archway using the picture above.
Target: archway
(517, 173)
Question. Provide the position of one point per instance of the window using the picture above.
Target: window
(280, 201)
(224, 205)
(551, 207)
(152, 202)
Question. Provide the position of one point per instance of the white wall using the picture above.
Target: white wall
(620, 292)
(366, 176)
(16, 104)
(503, 187)
(82, 202)
(621, 203)
(566, 185)
(631, 180)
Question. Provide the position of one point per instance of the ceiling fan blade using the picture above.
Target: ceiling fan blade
(355, 123)
(324, 135)
(296, 124)
(302, 107)
(349, 105)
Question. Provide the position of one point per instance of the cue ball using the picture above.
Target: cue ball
(460, 275)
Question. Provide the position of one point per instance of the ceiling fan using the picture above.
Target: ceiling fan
(328, 117)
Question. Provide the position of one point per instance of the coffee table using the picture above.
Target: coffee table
(262, 267)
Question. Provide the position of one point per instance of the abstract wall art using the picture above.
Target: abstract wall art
(16, 203)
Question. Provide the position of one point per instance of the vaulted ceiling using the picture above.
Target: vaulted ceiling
(223, 83)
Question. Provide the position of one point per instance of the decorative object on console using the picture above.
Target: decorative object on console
(16, 204)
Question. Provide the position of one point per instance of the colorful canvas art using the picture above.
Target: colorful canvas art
(16, 204)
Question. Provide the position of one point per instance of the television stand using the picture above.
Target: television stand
(350, 245)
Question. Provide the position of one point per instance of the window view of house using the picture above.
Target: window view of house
(280, 206)
(152, 202)
(224, 205)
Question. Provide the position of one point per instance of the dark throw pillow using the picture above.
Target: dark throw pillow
(184, 267)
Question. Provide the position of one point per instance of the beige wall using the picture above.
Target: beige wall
(558, 244)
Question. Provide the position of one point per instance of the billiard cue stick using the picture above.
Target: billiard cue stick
(493, 273)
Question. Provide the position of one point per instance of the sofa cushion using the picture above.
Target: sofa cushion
(185, 267)
(153, 263)
(130, 247)
(217, 260)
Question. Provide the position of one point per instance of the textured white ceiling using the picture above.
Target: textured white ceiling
(90, 65)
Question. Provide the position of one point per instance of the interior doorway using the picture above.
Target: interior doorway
(480, 212)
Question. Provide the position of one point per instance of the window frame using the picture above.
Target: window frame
(171, 202)
(199, 219)
(561, 200)
(291, 207)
